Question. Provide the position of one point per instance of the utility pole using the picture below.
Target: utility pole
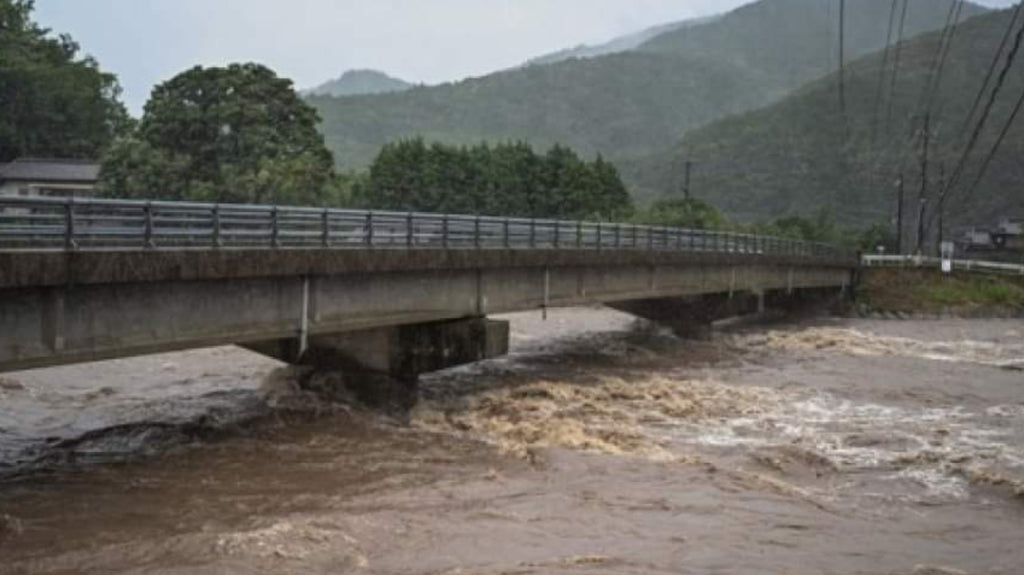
(942, 207)
(686, 184)
(922, 197)
(899, 215)
(842, 57)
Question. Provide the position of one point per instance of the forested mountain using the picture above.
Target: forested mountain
(802, 155)
(626, 104)
(616, 45)
(796, 41)
(360, 82)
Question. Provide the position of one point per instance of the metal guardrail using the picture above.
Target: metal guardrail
(79, 224)
(909, 261)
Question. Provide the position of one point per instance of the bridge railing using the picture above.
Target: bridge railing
(78, 224)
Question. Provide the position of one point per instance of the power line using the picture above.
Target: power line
(882, 70)
(995, 148)
(969, 148)
(992, 68)
(896, 63)
(931, 84)
(951, 26)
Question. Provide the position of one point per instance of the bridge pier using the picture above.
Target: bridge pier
(691, 317)
(396, 354)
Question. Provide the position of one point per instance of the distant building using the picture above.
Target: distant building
(975, 239)
(1004, 242)
(59, 178)
(1009, 235)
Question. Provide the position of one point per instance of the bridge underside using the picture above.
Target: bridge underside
(374, 307)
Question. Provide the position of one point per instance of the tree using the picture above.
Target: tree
(509, 179)
(233, 134)
(821, 228)
(52, 102)
(684, 213)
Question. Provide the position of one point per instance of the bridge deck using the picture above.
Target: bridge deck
(90, 280)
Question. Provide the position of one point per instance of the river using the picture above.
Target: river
(600, 445)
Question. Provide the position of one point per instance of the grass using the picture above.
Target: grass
(975, 291)
(913, 290)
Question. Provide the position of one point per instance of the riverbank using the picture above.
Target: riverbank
(908, 292)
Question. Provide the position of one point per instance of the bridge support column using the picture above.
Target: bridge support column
(691, 317)
(387, 356)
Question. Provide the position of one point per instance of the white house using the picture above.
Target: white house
(60, 178)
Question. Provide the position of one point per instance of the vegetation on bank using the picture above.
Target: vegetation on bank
(930, 291)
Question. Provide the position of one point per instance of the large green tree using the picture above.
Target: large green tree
(233, 134)
(52, 101)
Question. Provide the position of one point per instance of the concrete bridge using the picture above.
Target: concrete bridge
(385, 292)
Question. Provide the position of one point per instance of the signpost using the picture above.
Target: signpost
(947, 257)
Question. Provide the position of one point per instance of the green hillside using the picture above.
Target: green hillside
(627, 104)
(619, 44)
(800, 155)
(360, 82)
(797, 40)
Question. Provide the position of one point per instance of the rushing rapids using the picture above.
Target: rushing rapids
(600, 445)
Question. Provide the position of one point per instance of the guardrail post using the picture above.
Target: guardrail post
(476, 232)
(274, 228)
(600, 240)
(444, 231)
(533, 233)
(368, 236)
(634, 236)
(410, 237)
(216, 226)
(326, 231)
(579, 234)
(507, 239)
(147, 212)
(558, 229)
(69, 225)
(650, 238)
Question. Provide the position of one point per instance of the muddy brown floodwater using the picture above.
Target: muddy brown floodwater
(601, 445)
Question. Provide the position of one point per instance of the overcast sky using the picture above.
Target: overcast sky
(147, 41)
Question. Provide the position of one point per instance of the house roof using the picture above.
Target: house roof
(50, 170)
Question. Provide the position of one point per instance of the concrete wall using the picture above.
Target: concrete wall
(56, 310)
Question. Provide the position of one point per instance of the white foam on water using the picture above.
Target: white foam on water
(926, 445)
(853, 341)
